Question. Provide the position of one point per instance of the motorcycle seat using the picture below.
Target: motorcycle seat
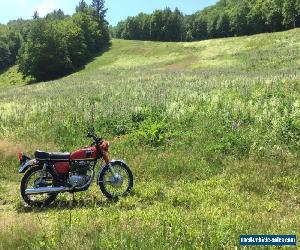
(41, 155)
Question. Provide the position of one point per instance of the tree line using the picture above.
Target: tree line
(224, 19)
(53, 46)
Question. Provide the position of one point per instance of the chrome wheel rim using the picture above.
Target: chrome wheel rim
(116, 185)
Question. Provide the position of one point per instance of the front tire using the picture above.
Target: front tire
(112, 187)
(42, 200)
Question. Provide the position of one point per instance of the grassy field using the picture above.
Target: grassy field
(210, 129)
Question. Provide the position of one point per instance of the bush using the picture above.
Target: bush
(45, 54)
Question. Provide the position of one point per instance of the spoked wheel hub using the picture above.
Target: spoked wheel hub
(117, 180)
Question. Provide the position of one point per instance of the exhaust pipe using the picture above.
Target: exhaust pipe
(49, 190)
(44, 190)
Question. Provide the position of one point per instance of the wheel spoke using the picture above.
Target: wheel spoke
(119, 185)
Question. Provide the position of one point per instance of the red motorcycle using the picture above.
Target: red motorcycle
(49, 174)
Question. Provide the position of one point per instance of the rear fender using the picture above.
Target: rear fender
(28, 165)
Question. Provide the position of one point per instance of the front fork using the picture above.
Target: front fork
(107, 162)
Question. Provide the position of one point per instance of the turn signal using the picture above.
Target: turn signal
(105, 145)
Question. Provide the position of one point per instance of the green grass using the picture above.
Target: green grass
(210, 129)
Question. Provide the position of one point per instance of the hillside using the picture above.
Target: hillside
(210, 129)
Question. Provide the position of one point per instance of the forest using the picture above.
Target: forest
(224, 19)
(56, 45)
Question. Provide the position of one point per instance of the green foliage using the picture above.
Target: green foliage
(99, 6)
(76, 41)
(12, 76)
(51, 47)
(45, 55)
(4, 55)
(10, 43)
(94, 37)
(56, 15)
(225, 18)
(162, 25)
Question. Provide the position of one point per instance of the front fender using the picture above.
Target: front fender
(27, 165)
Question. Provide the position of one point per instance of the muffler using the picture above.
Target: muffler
(44, 190)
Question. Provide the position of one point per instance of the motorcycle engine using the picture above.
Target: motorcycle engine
(78, 173)
(77, 180)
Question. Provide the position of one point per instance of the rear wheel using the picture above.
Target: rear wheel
(36, 177)
(118, 184)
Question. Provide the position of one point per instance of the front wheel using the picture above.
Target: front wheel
(115, 180)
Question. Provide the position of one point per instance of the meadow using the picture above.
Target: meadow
(211, 130)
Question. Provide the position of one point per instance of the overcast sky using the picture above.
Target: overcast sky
(117, 9)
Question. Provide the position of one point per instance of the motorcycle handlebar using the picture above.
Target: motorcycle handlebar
(94, 137)
(89, 135)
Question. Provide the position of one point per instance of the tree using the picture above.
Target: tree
(289, 13)
(298, 13)
(96, 36)
(118, 30)
(56, 15)
(132, 30)
(212, 26)
(199, 30)
(176, 26)
(76, 43)
(274, 18)
(238, 19)
(144, 24)
(256, 17)
(156, 25)
(98, 10)
(35, 15)
(99, 6)
(223, 26)
(4, 55)
(82, 6)
(45, 55)
(14, 41)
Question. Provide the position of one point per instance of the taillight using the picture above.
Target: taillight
(20, 156)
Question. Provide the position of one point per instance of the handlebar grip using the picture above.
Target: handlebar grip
(94, 137)
(89, 135)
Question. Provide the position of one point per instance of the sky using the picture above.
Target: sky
(117, 9)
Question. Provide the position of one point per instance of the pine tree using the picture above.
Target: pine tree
(35, 15)
(99, 6)
(82, 6)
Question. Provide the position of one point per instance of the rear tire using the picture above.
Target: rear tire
(105, 178)
(27, 198)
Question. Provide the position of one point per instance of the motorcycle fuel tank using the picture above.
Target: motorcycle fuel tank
(84, 154)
